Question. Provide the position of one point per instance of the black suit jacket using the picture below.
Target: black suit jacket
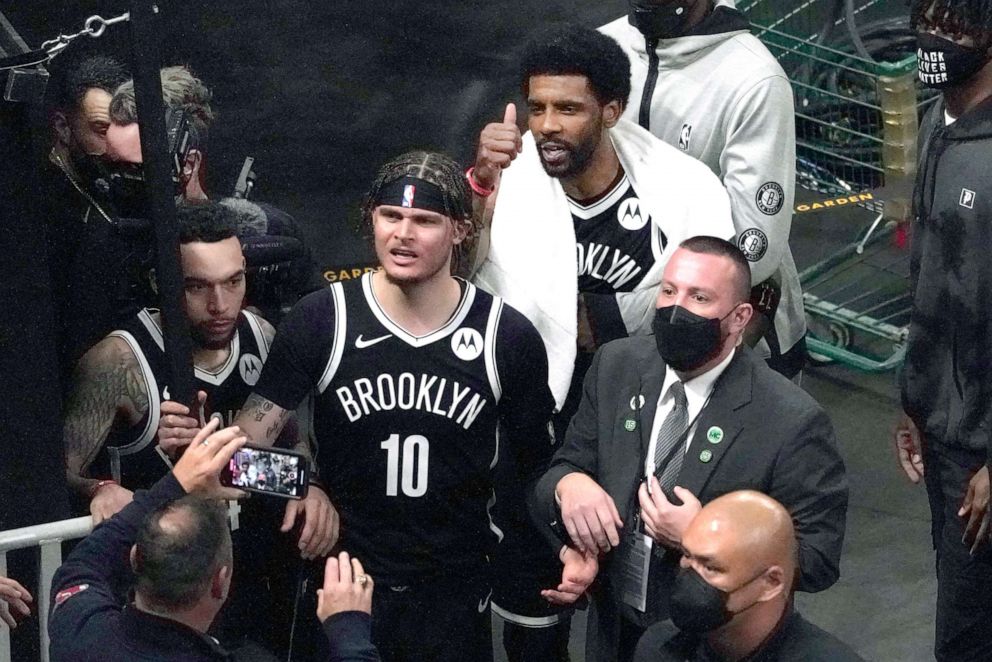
(776, 439)
(795, 640)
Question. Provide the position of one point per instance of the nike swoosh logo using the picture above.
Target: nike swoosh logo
(362, 344)
(484, 602)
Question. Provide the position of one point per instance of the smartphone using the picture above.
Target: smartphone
(270, 471)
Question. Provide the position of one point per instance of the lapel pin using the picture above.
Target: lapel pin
(706, 455)
(637, 402)
(714, 435)
(630, 425)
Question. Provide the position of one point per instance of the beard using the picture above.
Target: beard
(562, 159)
(204, 338)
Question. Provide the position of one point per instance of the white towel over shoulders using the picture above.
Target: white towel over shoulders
(532, 260)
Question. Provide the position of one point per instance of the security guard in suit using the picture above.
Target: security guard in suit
(669, 423)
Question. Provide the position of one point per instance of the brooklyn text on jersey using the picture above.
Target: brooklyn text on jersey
(427, 393)
(614, 240)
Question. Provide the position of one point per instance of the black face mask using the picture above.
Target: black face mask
(87, 167)
(686, 340)
(941, 63)
(124, 184)
(697, 606)
(659, 21)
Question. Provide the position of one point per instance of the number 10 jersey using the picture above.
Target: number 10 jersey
(408, 427)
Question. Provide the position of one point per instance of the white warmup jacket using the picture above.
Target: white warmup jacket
(532, 262)
(723, 99)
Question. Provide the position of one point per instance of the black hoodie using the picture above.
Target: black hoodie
(947, 377)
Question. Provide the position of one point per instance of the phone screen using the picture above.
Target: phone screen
(268, 471)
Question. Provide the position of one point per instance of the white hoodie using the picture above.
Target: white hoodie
(723, 99)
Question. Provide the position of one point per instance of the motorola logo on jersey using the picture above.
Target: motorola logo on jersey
(466, 344)
(630, 216)
(427, 393)
(250, 367)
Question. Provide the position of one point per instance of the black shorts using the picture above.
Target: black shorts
(522, 566)
(445, 620)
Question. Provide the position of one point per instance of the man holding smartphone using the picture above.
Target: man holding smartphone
(118, 390)
(118, 395)
(173, 540)
(414, 370)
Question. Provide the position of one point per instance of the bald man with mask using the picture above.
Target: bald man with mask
(732, 598)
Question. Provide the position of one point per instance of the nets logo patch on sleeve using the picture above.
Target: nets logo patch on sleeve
(770, 198)
(753, 243)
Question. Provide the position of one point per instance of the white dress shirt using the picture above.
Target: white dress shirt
(697, 392)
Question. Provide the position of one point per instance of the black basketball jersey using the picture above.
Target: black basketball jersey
(130, 454)
(406, 426)
(613, 240)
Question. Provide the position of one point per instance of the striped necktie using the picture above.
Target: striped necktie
(671, 439)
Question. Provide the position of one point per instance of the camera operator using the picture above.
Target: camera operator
(289, 272)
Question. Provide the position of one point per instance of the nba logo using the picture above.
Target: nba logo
(408, 192)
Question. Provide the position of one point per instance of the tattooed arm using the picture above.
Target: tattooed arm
(107, 386)
(262, 420)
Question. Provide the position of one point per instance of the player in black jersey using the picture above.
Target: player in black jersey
(580, 174)
(119, 395)
(422, 383)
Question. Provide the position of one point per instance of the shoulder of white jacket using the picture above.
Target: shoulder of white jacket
(666, 158)
(752, 59)
(617, 28)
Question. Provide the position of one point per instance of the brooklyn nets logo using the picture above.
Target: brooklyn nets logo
(753, 243)
(770, 198)
(466, 344)
(631, 216)
(250, 367)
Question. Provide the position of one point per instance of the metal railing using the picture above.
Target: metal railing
(48, 538)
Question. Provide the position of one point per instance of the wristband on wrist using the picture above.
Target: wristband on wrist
(476, 186)
(102, 483)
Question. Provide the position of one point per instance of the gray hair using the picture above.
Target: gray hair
(181, 90)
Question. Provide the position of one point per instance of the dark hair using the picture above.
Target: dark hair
(575, 50)
(436, 168)
(173, 567)
(208, 222)
(956, 18)
(97, 71)
(181, 90)
(723, 248)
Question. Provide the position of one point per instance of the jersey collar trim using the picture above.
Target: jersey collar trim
(449, 327)
(603, 204)
(215, 378)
